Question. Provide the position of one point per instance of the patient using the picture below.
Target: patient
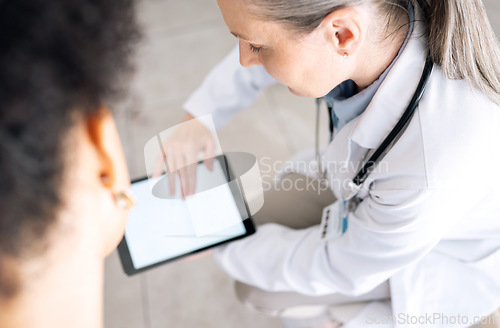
(63, 180)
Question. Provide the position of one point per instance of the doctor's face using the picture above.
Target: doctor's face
(304, 63)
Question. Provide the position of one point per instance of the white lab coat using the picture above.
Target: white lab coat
(429, 221)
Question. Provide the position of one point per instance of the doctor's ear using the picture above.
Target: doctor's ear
(344, 28)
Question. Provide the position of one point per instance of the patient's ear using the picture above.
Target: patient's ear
(112, 168)
(111, 178)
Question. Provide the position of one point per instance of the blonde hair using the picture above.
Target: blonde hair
(460, 37)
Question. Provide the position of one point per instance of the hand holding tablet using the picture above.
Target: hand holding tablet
(182, 146)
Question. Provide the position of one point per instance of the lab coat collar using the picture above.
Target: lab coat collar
(394, 94)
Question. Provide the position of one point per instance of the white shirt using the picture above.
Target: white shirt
(430, 217)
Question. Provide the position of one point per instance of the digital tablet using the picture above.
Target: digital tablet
(163, 228)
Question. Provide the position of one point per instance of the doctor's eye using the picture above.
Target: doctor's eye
(254, 48)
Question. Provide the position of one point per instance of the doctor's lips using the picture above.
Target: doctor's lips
(240, 163)
(294, 92)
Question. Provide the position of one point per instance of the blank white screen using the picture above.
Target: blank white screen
(161, 229)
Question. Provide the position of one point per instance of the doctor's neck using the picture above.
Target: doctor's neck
(374, 58)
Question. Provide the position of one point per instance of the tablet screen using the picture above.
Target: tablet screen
(160, 230)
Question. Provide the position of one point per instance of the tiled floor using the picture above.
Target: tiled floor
(183, 40)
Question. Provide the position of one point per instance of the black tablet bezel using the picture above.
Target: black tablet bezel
(124, 252)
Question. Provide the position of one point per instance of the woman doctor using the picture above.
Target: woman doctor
(425, 228)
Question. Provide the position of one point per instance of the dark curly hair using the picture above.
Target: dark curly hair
(59, 60)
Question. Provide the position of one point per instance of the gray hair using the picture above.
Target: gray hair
(461, 39)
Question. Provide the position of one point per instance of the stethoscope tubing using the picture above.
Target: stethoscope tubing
(402, 123)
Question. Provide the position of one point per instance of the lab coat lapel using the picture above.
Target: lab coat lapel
(393, 96)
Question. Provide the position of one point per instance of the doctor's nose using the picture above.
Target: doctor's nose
(248, 58)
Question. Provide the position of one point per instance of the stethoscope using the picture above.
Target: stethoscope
(353, 186)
